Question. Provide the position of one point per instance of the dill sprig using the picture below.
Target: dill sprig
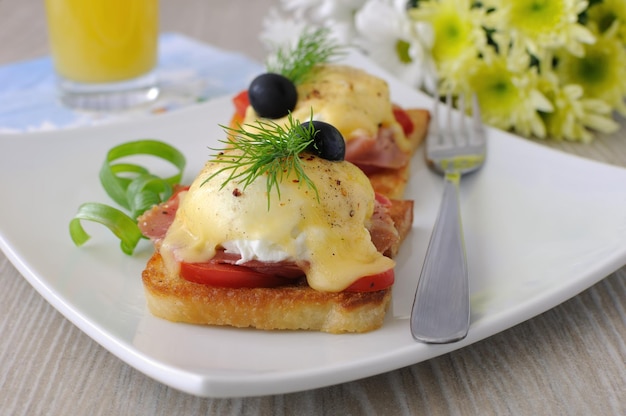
(314, 47)
(266, 149)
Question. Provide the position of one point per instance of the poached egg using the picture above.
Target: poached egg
(325, 232)
(357, 103)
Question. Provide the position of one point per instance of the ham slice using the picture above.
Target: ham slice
(382, 228)
(381, 151)
(287, 269)
(155, 222)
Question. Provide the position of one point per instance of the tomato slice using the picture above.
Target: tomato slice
(403, 119)
(241, 103)
(234, 276)
(178, 189)
(228, 275)
(373, 282)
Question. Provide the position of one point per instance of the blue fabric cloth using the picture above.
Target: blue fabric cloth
(189, 72)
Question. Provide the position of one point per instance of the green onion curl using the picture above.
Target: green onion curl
(131, 186)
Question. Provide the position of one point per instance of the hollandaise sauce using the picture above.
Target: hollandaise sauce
(355, 102)
(324, 232)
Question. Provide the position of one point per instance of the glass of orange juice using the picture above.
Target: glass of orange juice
(104, 52)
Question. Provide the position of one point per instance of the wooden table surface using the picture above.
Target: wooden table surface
(570, 360)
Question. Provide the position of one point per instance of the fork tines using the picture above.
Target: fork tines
(461, 131)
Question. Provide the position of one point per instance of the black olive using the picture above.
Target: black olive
(272, 95)
(328, 143)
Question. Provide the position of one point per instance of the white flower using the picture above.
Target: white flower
(280, 31)
(336, 15)
(393, 40)
(319, 11)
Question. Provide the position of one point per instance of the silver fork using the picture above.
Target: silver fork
(441, 309)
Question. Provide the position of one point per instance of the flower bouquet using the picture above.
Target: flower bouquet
(541, 68)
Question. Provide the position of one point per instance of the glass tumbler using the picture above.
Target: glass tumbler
(104, 52)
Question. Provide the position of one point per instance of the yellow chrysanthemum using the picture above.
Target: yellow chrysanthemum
(601, 72)
(540, 24)
(458, 36)
(605, 13)
(574, 114)
(508, 94)
(540, 68)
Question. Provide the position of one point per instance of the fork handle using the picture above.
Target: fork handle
(441, 310)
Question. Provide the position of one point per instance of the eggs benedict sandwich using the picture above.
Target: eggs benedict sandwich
(277, 231)
(380, 137)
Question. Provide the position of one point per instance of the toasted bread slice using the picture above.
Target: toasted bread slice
(287, 307)
(291, 307)
(392, 182)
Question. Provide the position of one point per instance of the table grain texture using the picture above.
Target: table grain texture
(570, 360)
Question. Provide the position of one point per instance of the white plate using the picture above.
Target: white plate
(540, 227)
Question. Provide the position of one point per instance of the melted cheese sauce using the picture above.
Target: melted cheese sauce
(350, 99)
(328, 238)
